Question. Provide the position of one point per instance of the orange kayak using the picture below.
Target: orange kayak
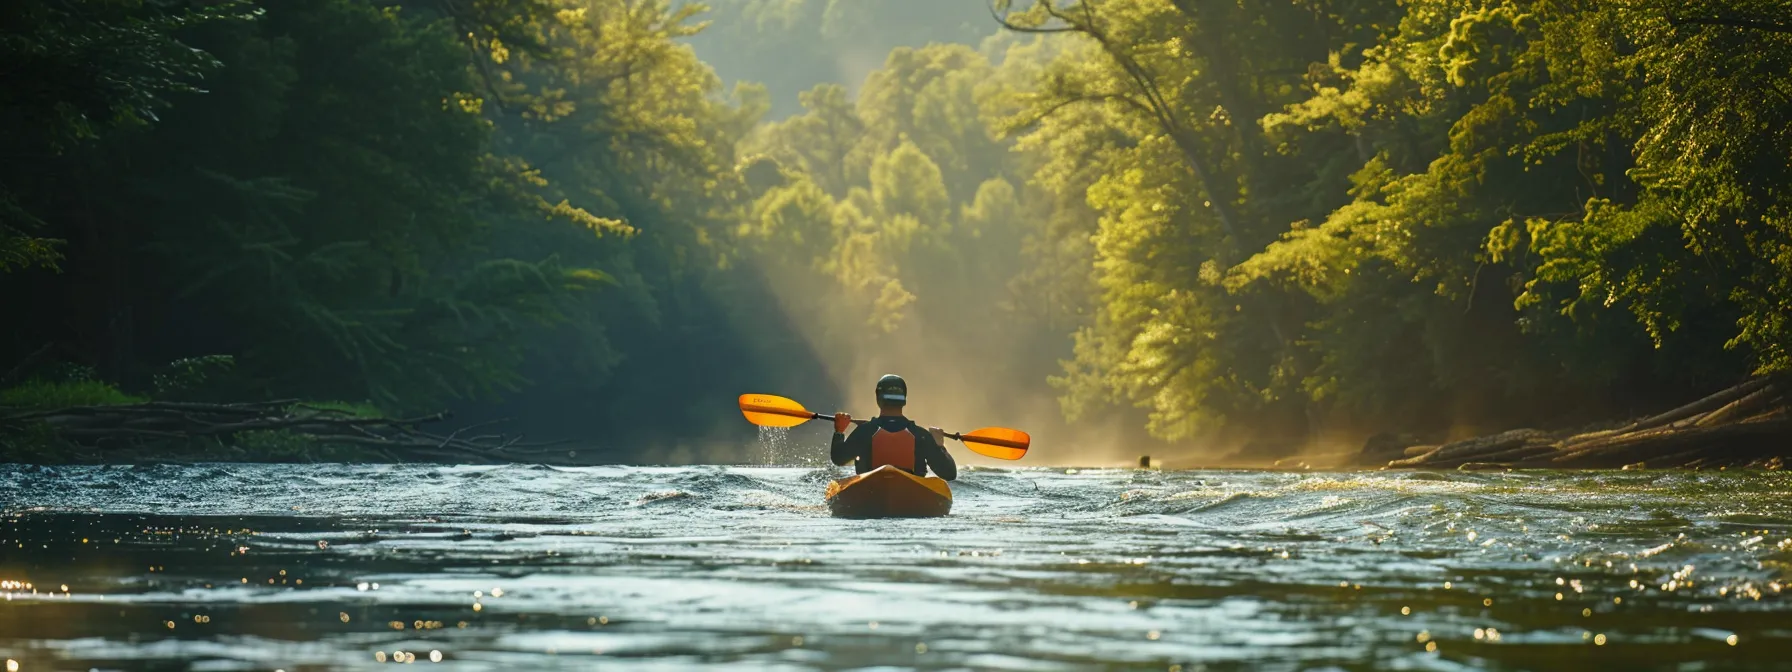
(889, 492)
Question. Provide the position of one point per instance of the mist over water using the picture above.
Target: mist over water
(333, 566)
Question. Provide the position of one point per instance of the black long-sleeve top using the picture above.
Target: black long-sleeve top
(928, 453)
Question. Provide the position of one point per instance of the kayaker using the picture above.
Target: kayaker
(891, 438)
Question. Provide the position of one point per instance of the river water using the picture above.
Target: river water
(324, 567)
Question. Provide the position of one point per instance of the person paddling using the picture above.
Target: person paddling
(891, 439)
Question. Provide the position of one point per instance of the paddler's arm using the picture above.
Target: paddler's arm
(933, 452)
(841, 450)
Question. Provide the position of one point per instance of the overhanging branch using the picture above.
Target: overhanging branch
(1002, 20)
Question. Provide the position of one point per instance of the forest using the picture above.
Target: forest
(1233, 227)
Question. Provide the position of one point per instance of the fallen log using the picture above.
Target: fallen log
(1475, 449)
(1739, 408)
(1746, 424)
(1725, 442)
(1414, 461)
(1706, 404)
(1509, 456)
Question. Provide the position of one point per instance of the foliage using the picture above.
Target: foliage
(190, 375)
(365, 204)
(1423, 214)
(899, 216)
(1270, 219)
(75, 73)
(39, 393)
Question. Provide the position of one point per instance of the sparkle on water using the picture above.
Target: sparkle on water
(532, 567)
(776, 449)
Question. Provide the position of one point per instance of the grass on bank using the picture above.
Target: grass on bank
(39, 394)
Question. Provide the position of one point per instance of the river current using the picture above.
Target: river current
(331, 566)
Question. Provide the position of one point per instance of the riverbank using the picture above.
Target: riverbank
(92, 422)
(1745, 426)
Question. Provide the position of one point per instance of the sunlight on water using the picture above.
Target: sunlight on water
(268, 567)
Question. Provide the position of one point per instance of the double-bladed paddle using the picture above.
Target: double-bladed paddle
(768, 410)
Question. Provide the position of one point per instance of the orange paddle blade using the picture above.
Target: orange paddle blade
(767, 410)
(998, 442)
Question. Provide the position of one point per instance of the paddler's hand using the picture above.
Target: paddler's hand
(939, 436)
(841, 422)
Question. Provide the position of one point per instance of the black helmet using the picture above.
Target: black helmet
(892, 391)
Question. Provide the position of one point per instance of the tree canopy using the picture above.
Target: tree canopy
(1190, 220)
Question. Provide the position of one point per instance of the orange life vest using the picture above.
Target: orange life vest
(893, 448)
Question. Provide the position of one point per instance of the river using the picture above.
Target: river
(329, 566)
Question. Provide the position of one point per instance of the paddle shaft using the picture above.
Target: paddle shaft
(950, 435)
(779, 406)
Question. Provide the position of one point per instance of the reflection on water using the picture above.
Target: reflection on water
(314, 567)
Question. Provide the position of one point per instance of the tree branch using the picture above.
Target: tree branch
(1002, 20)
(1046, 113)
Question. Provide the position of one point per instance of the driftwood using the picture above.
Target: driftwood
(137, 425)
(1415, 460)
(1745, 425)
(1415, 451)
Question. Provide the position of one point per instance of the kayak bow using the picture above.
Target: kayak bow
(889, 492)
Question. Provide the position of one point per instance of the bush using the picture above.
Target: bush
(194, 377)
